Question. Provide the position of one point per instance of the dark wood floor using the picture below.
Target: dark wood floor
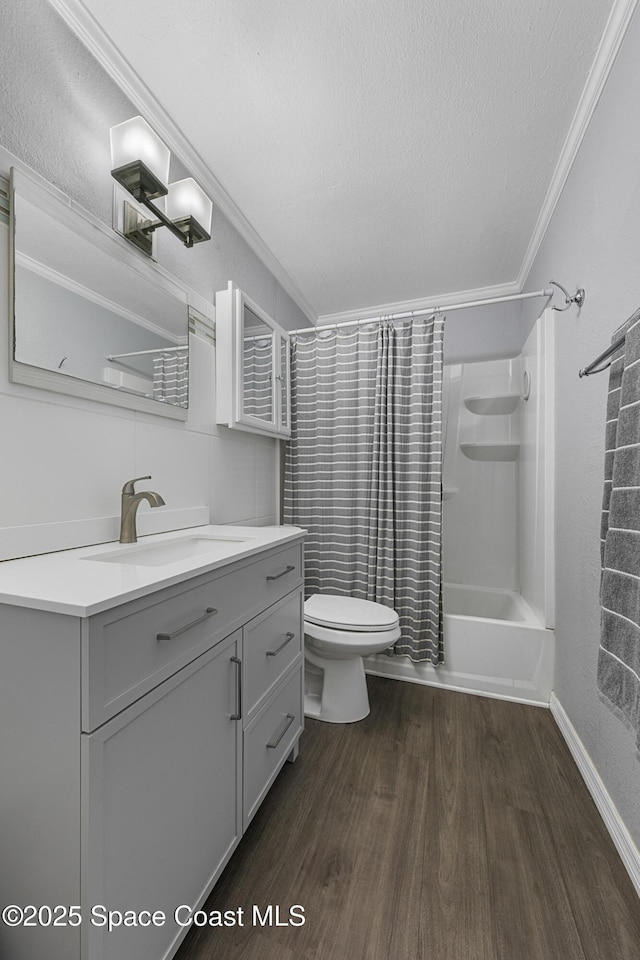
(443, 827)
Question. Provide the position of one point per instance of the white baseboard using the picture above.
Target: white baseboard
(629, 853)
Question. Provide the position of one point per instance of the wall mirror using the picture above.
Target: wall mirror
(88, 317)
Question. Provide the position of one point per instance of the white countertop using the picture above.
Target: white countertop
(70, 582)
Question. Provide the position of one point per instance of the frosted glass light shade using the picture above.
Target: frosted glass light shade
(134, 141)
(186, 199)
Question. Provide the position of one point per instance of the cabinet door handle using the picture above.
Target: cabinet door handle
(278, 575)
(274, 653)
(238, 663)
(211, 612)
(274, 743)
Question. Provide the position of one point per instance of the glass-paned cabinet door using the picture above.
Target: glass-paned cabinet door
(284, 383)
(258, 393)
(252, 367)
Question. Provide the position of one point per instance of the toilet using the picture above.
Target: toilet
(338, 632)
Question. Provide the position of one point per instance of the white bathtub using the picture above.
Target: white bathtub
(484, 603)
(493, 645)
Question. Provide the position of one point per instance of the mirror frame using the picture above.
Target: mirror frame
(57, 204)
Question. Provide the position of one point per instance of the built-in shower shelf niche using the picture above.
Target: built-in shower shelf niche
(506, 451)
(493, 406)
(449, 492)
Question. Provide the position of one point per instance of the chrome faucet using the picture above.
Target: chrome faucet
(130, 503)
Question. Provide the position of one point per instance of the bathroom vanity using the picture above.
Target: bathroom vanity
(149, 696)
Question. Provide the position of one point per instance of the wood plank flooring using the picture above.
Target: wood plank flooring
(442, 827)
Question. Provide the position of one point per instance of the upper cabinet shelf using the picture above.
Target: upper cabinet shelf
(252, 367)
(492, 406)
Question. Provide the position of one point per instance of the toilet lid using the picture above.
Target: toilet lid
(349, 613)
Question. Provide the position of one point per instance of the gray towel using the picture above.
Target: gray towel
(619, 653)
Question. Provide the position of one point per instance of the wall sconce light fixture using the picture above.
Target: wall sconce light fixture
(140, 163)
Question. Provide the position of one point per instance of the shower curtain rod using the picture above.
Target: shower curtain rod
(426, 311)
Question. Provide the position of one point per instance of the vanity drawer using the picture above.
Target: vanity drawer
(133, 648)
(122, 656)
(272, 641)
(276, 575)
(268, 740)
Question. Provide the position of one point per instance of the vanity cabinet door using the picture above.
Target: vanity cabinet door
(161, 803)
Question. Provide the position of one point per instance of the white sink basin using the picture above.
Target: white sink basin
(170, 551)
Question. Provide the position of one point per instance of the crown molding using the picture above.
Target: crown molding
(423, 303)
(91, 34)
(614, 33)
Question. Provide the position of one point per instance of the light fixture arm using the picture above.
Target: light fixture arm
(149, 226)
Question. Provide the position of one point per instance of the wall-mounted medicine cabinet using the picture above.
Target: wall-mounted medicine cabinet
(252, 367)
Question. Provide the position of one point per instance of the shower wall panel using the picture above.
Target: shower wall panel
(480, 525)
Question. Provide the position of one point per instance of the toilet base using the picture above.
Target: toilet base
(339, 694)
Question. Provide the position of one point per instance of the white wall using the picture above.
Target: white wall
(63, 460)
(593, 241)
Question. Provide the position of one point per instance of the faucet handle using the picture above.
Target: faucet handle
(129, 488)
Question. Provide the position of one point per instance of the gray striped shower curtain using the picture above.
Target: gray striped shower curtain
(171, 377)
(363, 470)
(257, 368)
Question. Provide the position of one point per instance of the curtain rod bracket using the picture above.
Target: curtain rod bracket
(577, 298)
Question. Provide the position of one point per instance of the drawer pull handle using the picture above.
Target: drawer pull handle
(274, 743)
(278, 575)
(211, 612)
(238, 663)
(274, 653)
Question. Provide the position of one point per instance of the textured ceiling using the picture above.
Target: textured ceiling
(384, 151)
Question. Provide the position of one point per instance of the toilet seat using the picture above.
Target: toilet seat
(335, 643)
(351, 614)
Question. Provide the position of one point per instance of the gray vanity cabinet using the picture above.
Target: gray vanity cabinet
(136, 744)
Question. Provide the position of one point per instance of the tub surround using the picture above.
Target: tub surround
(481, 453)
(498, 521)
(74, 582)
